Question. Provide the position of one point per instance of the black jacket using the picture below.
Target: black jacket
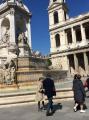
(49, 87)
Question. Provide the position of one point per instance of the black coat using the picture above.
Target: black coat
(49, 87)
(79, 92)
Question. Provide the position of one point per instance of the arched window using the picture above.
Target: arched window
(57, 40)
(56, 17)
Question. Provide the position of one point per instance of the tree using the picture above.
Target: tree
(48, 62)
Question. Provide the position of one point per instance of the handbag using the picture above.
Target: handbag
(85, 84)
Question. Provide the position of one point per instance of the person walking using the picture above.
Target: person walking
(49, 91)
(79, 93)
(39, 94)
(86, 84)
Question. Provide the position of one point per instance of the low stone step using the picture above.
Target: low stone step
(29, 96)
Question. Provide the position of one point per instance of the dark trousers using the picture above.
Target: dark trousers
(50, 105)
(39, 105)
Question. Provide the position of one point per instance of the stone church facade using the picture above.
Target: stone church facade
(69, 39)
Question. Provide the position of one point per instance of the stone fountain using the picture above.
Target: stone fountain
(19, 67)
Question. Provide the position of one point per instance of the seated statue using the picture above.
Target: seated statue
(22, 38)
(6, 36)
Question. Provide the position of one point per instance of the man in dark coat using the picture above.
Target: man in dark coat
(49, 91)
(79, 93)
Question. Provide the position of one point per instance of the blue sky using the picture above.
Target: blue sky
(39, 21)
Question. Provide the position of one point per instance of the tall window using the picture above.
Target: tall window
(87, 32)
(78, 34)
(56, 17)
(65, 15)
(57, 40)
(69, 35)
(54, 0)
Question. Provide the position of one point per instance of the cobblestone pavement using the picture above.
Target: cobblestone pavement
(64, 111)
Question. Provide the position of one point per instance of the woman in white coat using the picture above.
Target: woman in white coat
(40, 94)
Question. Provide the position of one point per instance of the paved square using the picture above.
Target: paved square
(64, 111)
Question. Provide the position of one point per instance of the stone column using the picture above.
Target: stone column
(66, 41)
(86, 62)
(53, 41)
(69, 72)
(29, 33)
(73, 35)
(83, 33)
(63, 40)
(12, 26)
(76, 63)
(0, 30)
(51, 19)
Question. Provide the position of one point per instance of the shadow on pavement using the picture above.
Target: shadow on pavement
(57, 106)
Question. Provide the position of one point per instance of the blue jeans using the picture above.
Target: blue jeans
(50, 104)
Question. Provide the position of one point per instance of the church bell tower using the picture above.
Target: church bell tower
(57, 11)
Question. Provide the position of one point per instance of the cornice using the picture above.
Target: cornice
(72, 50)
(15, 6)
(54, 5)
(3, 9)
(70, 21)
(5, 14)
(23, 10)
(57, 5)
(77, 19)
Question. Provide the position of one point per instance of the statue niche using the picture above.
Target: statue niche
(5, 31)
(21, 29)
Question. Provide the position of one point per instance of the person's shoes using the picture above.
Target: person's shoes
(39, 109)
(48, 114)
(53, 111)
(75, 109)
(44, 108)
(82, 111)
